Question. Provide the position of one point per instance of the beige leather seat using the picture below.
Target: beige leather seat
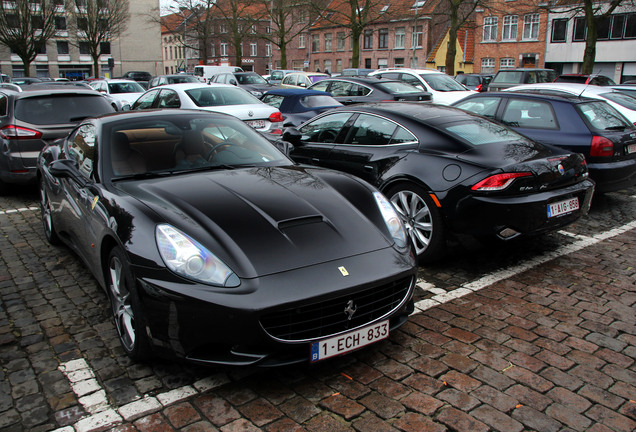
(125, 160)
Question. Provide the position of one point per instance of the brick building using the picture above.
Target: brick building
(510, 34)
(401, 34)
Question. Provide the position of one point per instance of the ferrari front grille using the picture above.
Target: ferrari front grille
(336, 315)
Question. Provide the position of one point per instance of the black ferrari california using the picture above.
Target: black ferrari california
(448, 170)
(213, 246)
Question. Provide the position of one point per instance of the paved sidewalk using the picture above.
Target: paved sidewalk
(549, 349)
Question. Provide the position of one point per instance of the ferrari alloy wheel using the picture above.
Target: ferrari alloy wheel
(421, 218)
(47, 219)
(125, 306)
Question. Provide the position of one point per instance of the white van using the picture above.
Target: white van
(205, 72)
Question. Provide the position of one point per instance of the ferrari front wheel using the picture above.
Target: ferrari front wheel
(126, 309)
(47, 219)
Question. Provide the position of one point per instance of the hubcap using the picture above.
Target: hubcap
(416, 217)
(122, 309)
(46, 210)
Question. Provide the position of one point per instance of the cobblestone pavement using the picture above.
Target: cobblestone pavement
(536, 335)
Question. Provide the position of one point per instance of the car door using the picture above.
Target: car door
(318, 138)
(168, 98)
(372, 145)
(146, 100)
(80, 201)
(534, 118)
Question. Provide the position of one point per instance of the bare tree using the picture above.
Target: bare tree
(355, 16)
(97, 22)
(238, 19)
(286, 23)
(26, 26)
(595, 13)
(194, 21)
(459, 13)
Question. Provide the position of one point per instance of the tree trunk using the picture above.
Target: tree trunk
(96, 67)
(355, 48)
(283, 55)
(451, 51)
(589, 55)
(27, 66)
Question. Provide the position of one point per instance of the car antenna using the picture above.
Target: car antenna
(588, 83)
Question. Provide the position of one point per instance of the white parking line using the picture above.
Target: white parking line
(93, 398)
(485, 281)
(18, 210)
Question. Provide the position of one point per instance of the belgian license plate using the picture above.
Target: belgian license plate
(631, 149)
(349, 341)
(257, 124)
(563, 207)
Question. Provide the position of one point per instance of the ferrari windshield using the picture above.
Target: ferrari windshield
(142, 148)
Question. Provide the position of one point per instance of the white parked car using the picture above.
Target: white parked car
(223, 98)
(444, 88)
(622, 102)
(124, 91)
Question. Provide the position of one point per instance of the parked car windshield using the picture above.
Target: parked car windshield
(126, 87)
(318, 101)
(476, 132)
(622, 99)
(443, 83)
(217, 96)
(508, 77)
(602, 116)
(250, 79)
(182, 79)
(399, 87)
(63, 109)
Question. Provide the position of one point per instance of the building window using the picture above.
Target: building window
(398, 62)
(580, 29)
(510, 28)
(367, 63)
(506, 63)
(302, 16)
(62, 48)
(84, 48)
(60, 23)
(339, 65)
(383, 63)
(400, 38)
(328, 45)
(315, 43)
(327, 64)
(383, 38)
(340, 41)
(416, 41)
(559, 30)
(253, 49)
(301, 41)
(104, 48)
(490, 29)
(223, 49)
(268, 50)
(630, 27)
(487, 65)
(316, 65)
(223, 28)
(368, 39)
(531, 27)
(603, 28)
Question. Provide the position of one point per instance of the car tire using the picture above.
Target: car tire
(47, 218)
(127, 313)
(421, 218)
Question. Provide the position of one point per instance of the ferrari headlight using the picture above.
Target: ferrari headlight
(184, 256)
(392, 219)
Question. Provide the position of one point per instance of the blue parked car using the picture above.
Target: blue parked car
(577, 124)
(299, 105)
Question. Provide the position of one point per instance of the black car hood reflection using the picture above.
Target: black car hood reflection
(254, 212)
